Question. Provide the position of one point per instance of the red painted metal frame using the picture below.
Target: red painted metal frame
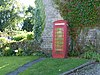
(64, 52)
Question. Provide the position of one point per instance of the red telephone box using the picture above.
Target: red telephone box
(60, 39)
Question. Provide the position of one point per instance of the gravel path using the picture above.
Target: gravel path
(24, 67)
(93, 69)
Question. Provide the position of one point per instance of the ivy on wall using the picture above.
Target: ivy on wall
(80, 14)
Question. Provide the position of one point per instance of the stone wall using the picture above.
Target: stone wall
(25, 45)
(52, 14)
(88, 36)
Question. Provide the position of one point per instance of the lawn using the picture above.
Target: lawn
(53, 66)
(8, 64)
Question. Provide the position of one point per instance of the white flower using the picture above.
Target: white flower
(16, 50)
(59, 69)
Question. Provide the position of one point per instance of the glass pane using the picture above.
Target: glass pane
(59, 39)
(59, 49)
(59, 43)
(59, 36)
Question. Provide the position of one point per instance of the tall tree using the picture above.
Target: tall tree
(9, 14)
(29, 21)
(39, 20)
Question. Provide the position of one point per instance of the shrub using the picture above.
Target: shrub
(23, 36)
(19, 37)
(91, 55)
(27, 52)
(24, 47)
(74, 53)
(1, 53)
(3, 41)
(19, 53)
(30, 36)
(41, 54)
(7, 51)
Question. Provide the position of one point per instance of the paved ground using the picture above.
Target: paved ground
(93, 69)
(24, 67)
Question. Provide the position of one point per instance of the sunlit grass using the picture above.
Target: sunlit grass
(8, 64)
(53, 66)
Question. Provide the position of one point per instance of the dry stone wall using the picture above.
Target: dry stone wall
(88, 36)
(52, 14)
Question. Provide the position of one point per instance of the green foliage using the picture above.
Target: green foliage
(7, 51)
(13, 15)
(19, 48)
(89, 47)
(20, 40)
(11, 63)
(91, 53)
(1, 53)
(39, 17)
(29, 21)
(38, 53)
(79, 14)
(62, 7)
(73, 53)
(82, 13)
(19, 53)
(28, 25)
(23, 36)
(30, 36)
(37, 26)
(9, 14)
(3, 41)
(51, 66)
(41, 54)
(18, 37)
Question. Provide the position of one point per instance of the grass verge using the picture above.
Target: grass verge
(8, 64)
(53, 66)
